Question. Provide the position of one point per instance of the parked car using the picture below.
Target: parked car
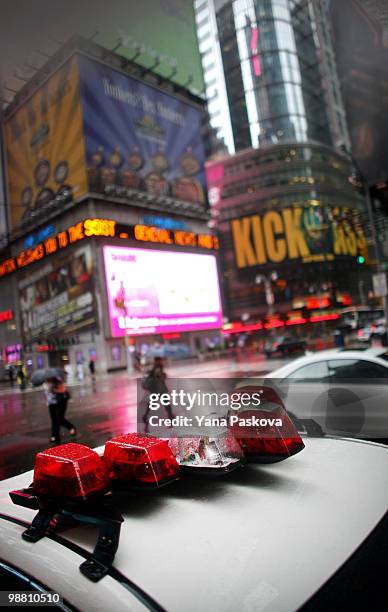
(345, 391)
(375, 330)
(260, 538)
(283, 345)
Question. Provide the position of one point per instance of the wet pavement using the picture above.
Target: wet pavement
(100, 409)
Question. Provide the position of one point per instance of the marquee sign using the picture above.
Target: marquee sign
(106, 228)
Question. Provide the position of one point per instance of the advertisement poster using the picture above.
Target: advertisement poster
(138, 137)
(59, 297)
(45, 147)
(305, 234)
(153, 291)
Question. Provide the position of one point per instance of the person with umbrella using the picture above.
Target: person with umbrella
(57, 399)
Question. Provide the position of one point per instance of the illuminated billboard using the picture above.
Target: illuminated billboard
(152, 291)
(92, 129)
(59, 296)
(138, 137)
(45, 147)
(299, 234)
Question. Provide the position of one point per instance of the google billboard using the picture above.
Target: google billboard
(151, 291)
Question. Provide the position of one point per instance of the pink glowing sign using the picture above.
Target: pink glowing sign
(255, 53)
(153, 291)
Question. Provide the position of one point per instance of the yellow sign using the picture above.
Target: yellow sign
(45, 147)
(306, 234)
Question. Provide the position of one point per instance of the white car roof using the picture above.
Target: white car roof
(261, 538)
(309, 358)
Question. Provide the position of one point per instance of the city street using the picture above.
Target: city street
(100, 409)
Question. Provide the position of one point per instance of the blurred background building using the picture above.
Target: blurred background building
(360, 34)
(275, 98)
(104, 147)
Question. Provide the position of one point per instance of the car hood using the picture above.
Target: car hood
(263, 538)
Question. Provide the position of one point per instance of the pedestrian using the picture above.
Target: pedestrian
(57, 398)
(21, 378)
(155, 382)
(11, 375)
(80, 371)
(137, 361)
(92, 368)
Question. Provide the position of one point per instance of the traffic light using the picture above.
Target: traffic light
(360, 259)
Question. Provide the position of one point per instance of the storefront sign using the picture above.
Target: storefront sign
(108, 229)
(305, 234)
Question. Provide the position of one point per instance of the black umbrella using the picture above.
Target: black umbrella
(40, 376)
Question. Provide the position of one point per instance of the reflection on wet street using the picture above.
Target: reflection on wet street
(100, 409)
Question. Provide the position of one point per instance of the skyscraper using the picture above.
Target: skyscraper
(271, 82)
(270, 72)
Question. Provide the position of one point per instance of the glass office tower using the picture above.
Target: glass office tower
(277, 79)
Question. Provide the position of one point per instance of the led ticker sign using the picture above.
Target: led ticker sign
(109, 229)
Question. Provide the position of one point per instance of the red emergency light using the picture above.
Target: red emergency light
(71, 471)
(266, 434)
(142, 461)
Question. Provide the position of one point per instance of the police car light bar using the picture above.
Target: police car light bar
(72, 483)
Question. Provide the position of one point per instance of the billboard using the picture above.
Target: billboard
(305, 235)
(45, 147)
(59, 297)
(138, 137)
(152, 291)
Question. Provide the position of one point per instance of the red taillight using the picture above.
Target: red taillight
(360, 333)
(265, 434)
(70, 471)
(140, 460)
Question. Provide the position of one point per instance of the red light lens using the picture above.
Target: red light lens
(266, 434)
(141, 460)
(70, 471)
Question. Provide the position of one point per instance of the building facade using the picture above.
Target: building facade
(291, 232)
(110, 250)
(291, 228)
(270, 72)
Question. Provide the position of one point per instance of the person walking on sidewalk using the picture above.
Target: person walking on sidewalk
(92, 368)
(57, 398)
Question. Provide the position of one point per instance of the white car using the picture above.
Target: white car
(345, 391)
(280, 538)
